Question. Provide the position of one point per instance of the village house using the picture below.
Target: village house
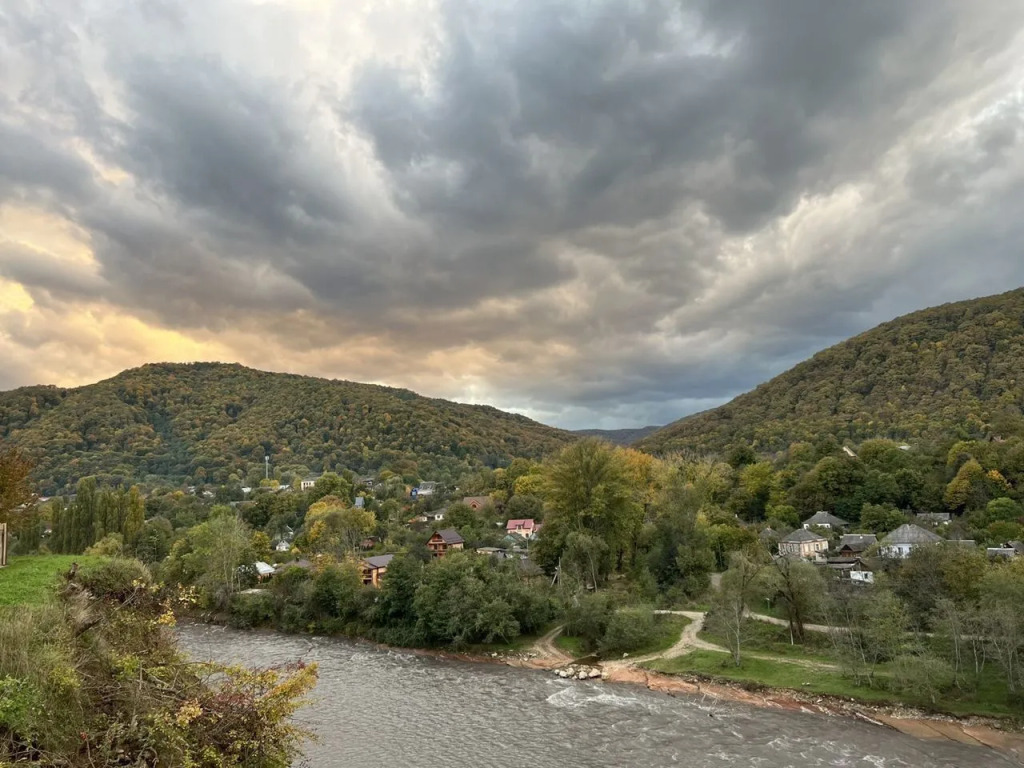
(824, 520)
(436, 516)
(853, 544)
(526, 528)
(425, 489)
(477, 502)
(263, 570)
(803, 543)
(904, 539)
(443, 541)
(860, 570)
(360, 502)
(307, 483)
(492, 551)
(366, 480)
(282, 546)
(1007, 549)
(374, 568)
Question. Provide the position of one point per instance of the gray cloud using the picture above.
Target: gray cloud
(604, 213)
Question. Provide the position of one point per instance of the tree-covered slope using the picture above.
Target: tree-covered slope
(212, 420)
(955, 370)
(618, 436)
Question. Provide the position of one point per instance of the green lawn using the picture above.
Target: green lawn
(990, 699)
(571, 645)
(30, 579)
(763, 637)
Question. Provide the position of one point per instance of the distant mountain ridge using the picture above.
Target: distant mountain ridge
(618, 436)
(955, 370)
(217, 421)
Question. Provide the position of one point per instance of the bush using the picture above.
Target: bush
(923, 677)
(252, 610)
(627, 630)
(115, 580)
(588, 617)
(111, 545)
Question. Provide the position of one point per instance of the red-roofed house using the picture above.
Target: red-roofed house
(525, 528)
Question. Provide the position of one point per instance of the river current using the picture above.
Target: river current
(391, 709)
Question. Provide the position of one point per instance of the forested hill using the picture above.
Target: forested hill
(951, 371)
(210, 421)
(617, 436)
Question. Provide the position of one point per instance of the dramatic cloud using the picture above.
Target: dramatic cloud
(597, 213)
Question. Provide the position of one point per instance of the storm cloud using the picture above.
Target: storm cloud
(596, 213)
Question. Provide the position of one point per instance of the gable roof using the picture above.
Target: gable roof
(802, 534)
(263, 569)
(378, 561)
(527, 522)
(908, 533)
(449, 536)
(857, 542)
(825, 518)
(482, 501)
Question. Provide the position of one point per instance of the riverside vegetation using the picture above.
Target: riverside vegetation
(624, 531)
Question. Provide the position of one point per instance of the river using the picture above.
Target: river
(391, 709)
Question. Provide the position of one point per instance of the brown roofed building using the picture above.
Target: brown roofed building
(374, 568)
(478, 502)
(443, 541)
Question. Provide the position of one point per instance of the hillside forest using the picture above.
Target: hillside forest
(215, 423)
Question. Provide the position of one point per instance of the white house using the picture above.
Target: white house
(308, 482)
(902, 541)
(824, 520)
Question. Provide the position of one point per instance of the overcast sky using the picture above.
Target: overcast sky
(600, 214)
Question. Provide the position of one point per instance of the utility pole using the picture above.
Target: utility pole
(266, 464)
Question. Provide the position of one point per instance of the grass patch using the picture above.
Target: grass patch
(571, 645)
(763, 637)
(990, 699)
(521, 643)
(31, 579)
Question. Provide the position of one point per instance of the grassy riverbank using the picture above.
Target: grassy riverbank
(811, 674)
(31, 579)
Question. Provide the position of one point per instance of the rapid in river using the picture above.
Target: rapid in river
(378, 708)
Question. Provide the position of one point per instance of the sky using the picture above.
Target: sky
(599, 213)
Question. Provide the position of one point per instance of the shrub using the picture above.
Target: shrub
(116, 580)
(923, 677)
(587, 618)
(627, 630)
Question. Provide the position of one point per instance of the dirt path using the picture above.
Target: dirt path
(546, 653)
(783, 623)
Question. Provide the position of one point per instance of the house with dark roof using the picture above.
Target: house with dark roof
(444, 541)
(859, 570)
(803, 543)
(904, 539)
(853, 544)
(824, 519)
(435, 516)
(374, 568)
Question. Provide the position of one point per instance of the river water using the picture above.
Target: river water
(391, 709)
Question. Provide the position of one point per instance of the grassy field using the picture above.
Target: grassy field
(990, 699)
(771, 638)
(30, 579)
